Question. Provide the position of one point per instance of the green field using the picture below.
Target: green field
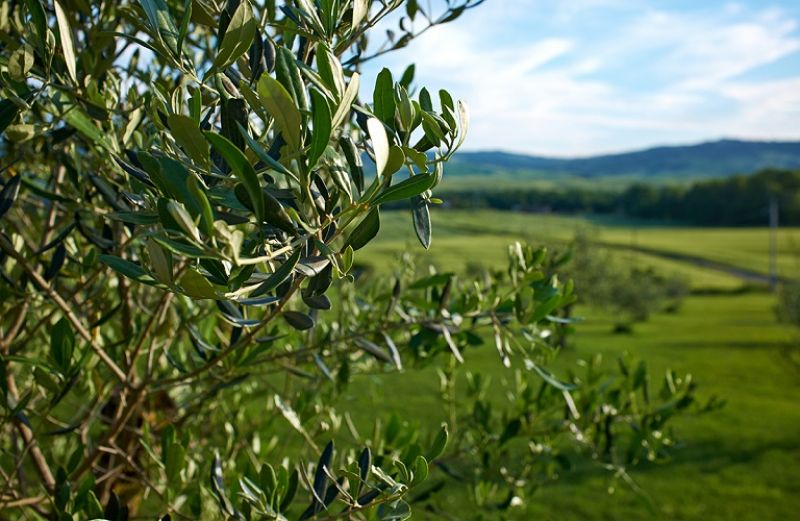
(740, 462)
(545, 181)
(463, 237)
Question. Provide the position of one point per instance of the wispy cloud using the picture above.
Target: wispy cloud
(588, 76)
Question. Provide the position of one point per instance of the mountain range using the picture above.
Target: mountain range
(711, 159)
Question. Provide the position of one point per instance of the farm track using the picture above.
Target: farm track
(751, 276)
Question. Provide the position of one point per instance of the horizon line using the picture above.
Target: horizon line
(623, 151)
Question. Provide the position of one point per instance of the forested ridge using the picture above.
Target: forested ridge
(707, 160)
(736, 201)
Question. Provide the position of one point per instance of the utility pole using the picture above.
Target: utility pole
(773, 241)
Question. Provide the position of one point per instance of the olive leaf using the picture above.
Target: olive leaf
(238, 36)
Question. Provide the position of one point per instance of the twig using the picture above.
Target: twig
(9, 249)
(38, 458)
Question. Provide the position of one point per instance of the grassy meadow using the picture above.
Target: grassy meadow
(740, 462)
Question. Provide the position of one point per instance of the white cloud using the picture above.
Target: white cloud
(706, 52)
(642, 76)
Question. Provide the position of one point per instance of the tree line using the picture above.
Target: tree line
(736, 201)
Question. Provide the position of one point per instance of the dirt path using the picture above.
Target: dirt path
(744, 274)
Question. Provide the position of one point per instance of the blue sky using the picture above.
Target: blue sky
(580, 77)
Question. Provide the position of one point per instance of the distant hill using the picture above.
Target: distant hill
(713, 159)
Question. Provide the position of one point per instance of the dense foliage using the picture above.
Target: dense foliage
(182, 202)
(735, 201)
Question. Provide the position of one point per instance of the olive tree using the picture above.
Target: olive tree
(184, 194)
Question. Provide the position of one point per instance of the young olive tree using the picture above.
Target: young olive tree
(182, 200)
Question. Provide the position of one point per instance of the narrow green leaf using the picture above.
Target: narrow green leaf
(218, 487)
(396, 360)
(76, 118)
(544, 308)
(397, 159)
(241, 168)
(188, 135)
(298, 320)
(380, 144)
(39, 18)
(233, 115)
(127, 268)
(294, 420)
(176, 457)
(173, 178)
(347, 260)
(422, 221)
(463, 123)
(408, 76)
(425, 101)
(264, 156)
(65, 36)
(206, 213)
(276, 215)
(406, 189)
(364, 463)
(439, 444)
(279, 104)
(353, 158)
(185, 249)
(197, 286)
(341, 177)
(288, 74)
(261, 301)
(238, 36)
(184, 25)
(330, 70)
(383, 102)
(181, 216)
(448, 108)
(373, 349)
(62, 344)
(321, 473)
(349, 96)
(161, 261)
(432, 129)
(405, 109)
(56, 262)
(279, 275)
(417, 157)
(420, 469)
(161, 23)
(8, 112)
(321, 127)
(9, 193)
(548, 377)
(365, 231)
